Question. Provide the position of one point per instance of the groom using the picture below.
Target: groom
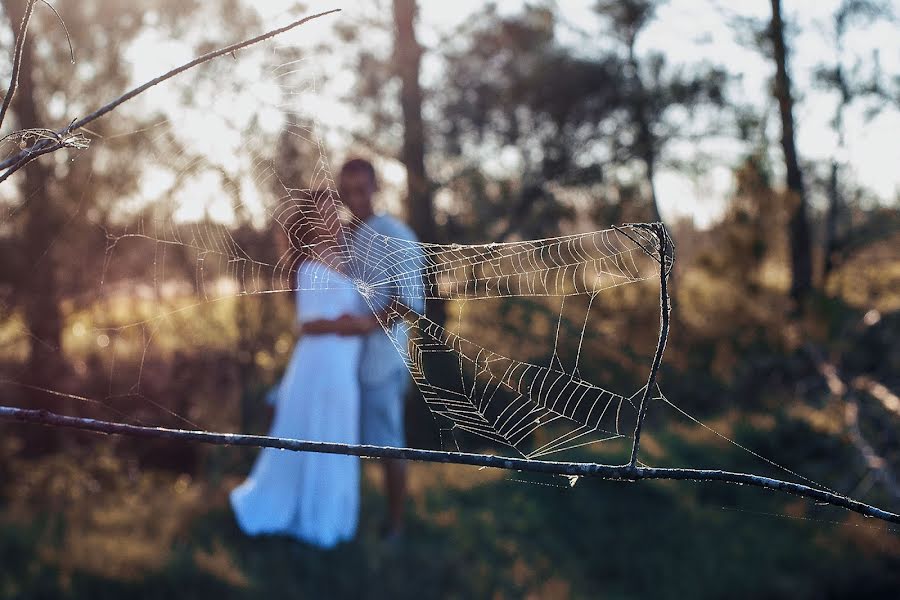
(394, 270)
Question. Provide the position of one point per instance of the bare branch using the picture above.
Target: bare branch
(611, 472)
(197, 61)
(876, 465)
(17, 60)
(19, 160)
(663, 238)
(880, 392)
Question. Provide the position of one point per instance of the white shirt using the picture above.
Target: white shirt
(388, 262)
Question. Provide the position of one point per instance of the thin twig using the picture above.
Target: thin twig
(660, 230)
(16, 162)
(197, 61)
(65, 30)
(50, 142)
(612, 472)
(35, 132)
(17, 60)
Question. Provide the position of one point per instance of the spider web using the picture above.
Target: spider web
(505, 400)
(528, 359)
(495, 397)
(247, 152)
(530, 407)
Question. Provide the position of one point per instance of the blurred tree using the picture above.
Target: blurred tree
(650, 91)
(419, 190)
(386, 56)
(733, 315)
(798, 225)
(628, 19)
(747, 236)
(522, 119)
(42, 222)
(388, 59)
(451, 114)
(407, 58)
(69, 201)
(861, 80)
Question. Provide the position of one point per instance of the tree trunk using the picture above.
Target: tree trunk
(798, 226)
(650, 167)
(646, 142)
(42, 313)
(38, 279)
(834, 190)
(407, 58)
(831, 220)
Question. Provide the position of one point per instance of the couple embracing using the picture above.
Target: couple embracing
(345, 382)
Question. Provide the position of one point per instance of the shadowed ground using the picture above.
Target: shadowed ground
(472, 533)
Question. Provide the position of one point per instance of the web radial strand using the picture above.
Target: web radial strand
(569, 265)
(507, 401)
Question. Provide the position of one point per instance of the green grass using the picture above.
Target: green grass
(478, 534)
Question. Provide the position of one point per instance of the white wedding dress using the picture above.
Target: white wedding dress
(314, 497)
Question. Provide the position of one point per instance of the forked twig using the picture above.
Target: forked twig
(612, 472)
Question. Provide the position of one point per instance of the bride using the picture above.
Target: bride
(313, 497)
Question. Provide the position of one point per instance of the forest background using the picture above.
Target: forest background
(764, 137)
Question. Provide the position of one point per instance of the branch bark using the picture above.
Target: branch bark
(663, 237)
(611, 472)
